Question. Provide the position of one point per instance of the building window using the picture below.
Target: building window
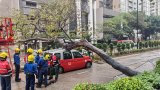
(31, 4)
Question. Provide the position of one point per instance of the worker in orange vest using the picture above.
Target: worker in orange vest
(5, 72)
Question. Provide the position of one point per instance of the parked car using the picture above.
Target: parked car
(125, 41)
(71, 60)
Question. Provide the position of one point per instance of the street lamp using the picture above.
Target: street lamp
(137, 25)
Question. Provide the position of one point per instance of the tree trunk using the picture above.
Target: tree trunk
(125, 70)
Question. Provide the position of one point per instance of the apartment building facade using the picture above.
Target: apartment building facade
(155, 7)
(131, 5)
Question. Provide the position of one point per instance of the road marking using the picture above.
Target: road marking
(82, 72)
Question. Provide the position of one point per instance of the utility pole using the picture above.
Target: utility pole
(137, 25)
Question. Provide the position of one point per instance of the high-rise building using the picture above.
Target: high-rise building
(155, 7)
(131, 5)
(145, 6)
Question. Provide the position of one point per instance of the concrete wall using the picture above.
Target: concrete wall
(6, 6)
(99, 23)
(116, 5)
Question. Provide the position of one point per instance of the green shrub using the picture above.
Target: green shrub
(146, 45)
(143, 44)
(98, 45)
(140, 45)
(158, 43)
(150, 44)
(157, 68)
(132, 45)
(105, 47)
(150, 78)
(86, 86)
(111, 47)
(119, 47)
(128, 83)
(128, 46)
(123, 46)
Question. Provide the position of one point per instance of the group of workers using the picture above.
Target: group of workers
(35, 67)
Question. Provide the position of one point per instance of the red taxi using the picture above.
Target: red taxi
(71, 60)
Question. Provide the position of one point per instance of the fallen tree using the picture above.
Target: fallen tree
(74, 44)
(125, 70)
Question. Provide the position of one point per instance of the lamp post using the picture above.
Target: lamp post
(137, 25)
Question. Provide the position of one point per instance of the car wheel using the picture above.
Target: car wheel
(88, 65)
(61, 70)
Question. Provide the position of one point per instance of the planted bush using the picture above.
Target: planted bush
(111, 46)
(146, 45)
(128, 46)
(152, 79)
(104, 47)
(132, 45)
(123, 46)
(86, 86)
(99, 46)
(157, 68)
(140, 45)
(119, 47)
(150, 44)
(128, 83)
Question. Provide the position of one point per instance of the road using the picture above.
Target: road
(99, 73)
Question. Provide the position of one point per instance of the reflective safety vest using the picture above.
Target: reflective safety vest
(26, 58)
(5, 69)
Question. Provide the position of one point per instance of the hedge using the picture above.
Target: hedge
(144, 81)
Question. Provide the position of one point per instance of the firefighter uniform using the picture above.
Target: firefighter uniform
(37, 58)
(39, 54)
(29, 52)
(30, 69)
(54, 68)
(43, 70)
(5, 72)
(17, 64)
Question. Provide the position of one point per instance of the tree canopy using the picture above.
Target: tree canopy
(125, 23)
(44, 22)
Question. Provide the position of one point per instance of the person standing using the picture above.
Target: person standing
(5, 72)
(17, 64)
(56, 67)
(43, 70)
(37, 58)
(30, 69)
(29, 52)
(53, 69)
(39, 55)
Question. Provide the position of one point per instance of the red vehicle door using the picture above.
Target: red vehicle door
(79, 60)
(67, 62)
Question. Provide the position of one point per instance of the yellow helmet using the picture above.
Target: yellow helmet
(17, 50)
(46, 57)
(40, 51)
(30, 50)
(3, 55)
(30, 58)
